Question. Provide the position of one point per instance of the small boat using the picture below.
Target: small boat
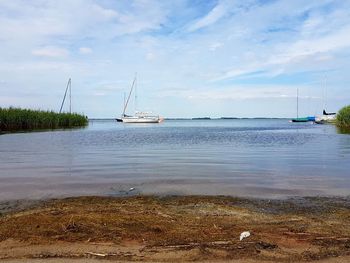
(326, 117)
(139, 116)
(306, 119)
(311, 118)
(329, 117)
(303, 119)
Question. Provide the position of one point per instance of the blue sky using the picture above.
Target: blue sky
(193, 58)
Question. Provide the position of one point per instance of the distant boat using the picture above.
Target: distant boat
(139, 116)
(305, 119)
(311, 118)
(297, 119)
(327, 117)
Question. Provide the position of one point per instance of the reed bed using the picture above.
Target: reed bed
(343, 118)
(17, 119)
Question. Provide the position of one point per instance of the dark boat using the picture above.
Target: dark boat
(300, 119)
(303, 119)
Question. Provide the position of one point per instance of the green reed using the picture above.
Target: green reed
(16, 119)
(343, 118)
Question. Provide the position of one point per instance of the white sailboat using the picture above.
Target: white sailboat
(326, 117)
(139, 116)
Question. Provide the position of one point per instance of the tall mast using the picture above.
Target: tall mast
(135, 92)
(324, 93)
(127, 101)
(297, 102)
(70, 96)
(124, 100)
(65, 94)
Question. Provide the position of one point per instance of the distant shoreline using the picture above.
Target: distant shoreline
(204, 118)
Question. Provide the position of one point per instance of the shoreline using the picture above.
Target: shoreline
(8, 206)
(43, 188)
(177, 228)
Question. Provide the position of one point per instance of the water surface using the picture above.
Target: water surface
(264, 158)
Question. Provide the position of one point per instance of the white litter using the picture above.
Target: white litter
(131, 189)
(243, 235)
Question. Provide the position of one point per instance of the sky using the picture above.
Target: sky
(193, 58)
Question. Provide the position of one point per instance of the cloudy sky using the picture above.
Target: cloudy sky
(240, 58)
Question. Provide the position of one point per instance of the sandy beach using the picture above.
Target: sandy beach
(175, 228)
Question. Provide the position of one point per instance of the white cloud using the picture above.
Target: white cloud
(213, 16)
(336, 40)
(35, 21)
(150, 56)
(54, 52)
(215, 46)
(288, 54)
(240, 92)
(101, 94)
(85, 50)
(104, 14)
(223, 9)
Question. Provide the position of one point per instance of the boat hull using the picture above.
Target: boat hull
(141, 119)
(300, 120)
(326, 119)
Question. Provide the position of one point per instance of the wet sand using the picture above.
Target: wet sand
(175, 228)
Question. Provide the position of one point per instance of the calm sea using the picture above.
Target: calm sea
(261, 158)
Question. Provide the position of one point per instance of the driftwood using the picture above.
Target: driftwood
(101, 254)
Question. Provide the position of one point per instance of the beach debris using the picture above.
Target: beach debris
(71, 226)
(265, 245)
(131, 189)
(96, 254)
(243, 235)
(100, 254)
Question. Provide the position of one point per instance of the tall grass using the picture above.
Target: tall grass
(343, 118)
(16, 119)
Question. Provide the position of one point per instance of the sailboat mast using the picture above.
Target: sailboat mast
(70, 96)
(124, 100)
(65, 94)
(297, 102)
(127, 101)
(324, 93)
(135, 92)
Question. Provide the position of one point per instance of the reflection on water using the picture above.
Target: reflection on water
(235, 157)
(343, 130)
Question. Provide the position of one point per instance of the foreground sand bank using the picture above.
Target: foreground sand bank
(187, 228)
